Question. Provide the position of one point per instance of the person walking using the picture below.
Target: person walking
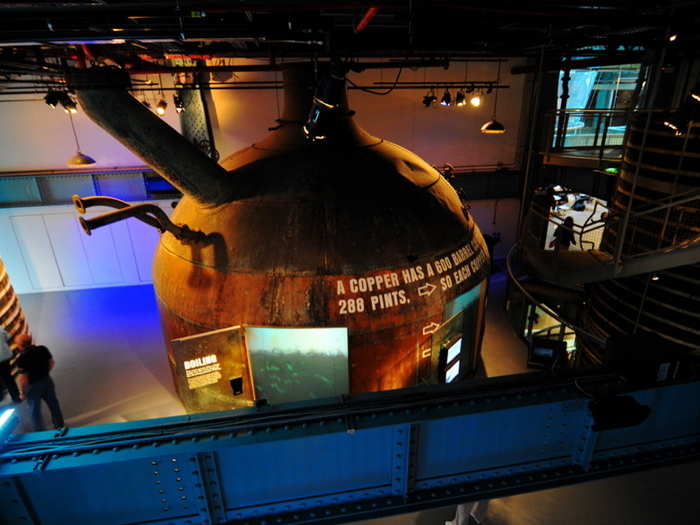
(6, 378)
(563, 236)
(33, 365)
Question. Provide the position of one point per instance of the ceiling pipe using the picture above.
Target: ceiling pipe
(102, 94)
(366, 19)
(354, 66)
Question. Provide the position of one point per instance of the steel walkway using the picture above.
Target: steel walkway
(348, 459)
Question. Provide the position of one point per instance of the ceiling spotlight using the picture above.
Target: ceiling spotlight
(475, 101)
(179, 104)
(52, 98)
(695, 92)
(161, 107)
(69, 105)
(146, 103)
(674, 126)
(429, 99)
(460, 99)
(673, 37)
(654, 276)
(489, 90)
(671, 125)
(446, 98)
(327, 108)
(469, 89)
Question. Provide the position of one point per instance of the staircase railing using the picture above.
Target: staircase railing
(666, 225)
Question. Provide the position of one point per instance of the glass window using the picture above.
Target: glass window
(597, 88)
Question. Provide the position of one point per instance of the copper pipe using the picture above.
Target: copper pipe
(148, 213)
(83, 203)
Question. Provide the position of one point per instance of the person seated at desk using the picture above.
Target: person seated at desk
(563, 236)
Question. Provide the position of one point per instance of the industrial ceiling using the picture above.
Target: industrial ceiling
(44, 36)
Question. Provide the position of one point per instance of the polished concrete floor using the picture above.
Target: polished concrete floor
(111, 366)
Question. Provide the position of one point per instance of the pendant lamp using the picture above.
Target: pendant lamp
(493, 127)
(79, 159)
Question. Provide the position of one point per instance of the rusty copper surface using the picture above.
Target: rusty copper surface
(351, 231)
(311, 216)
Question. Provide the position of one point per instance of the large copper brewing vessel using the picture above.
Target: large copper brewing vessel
(348, 231)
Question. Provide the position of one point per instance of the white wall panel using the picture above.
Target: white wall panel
(64, 235)
(101, 255)
(125, 252)
(37, 252)
(45, 249)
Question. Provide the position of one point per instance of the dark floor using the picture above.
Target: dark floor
(111, 366)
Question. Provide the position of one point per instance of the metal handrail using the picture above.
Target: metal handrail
(581, 230)
(602, 111)
(577, 329)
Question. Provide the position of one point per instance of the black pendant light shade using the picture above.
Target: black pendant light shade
(493, 127)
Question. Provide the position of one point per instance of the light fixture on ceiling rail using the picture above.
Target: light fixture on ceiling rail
(179, 104)
(429, 98)
(446, 98)
(475, 100)
(79, 159)
(162, 104)
(493, 127)
(69, 105)
(460, 97)
(161, 107)
(52, 98)
(328, 106)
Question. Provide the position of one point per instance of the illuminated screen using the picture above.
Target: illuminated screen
(453, 351)
(462, 302)
(543, 352)
(295, 364)
(452, 373)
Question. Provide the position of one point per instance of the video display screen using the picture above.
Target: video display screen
(452, 373)
(453, 350)
(462, 302)
(296, 364)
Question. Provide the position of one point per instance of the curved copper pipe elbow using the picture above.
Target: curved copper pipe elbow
(83, 203)
(148, 213)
